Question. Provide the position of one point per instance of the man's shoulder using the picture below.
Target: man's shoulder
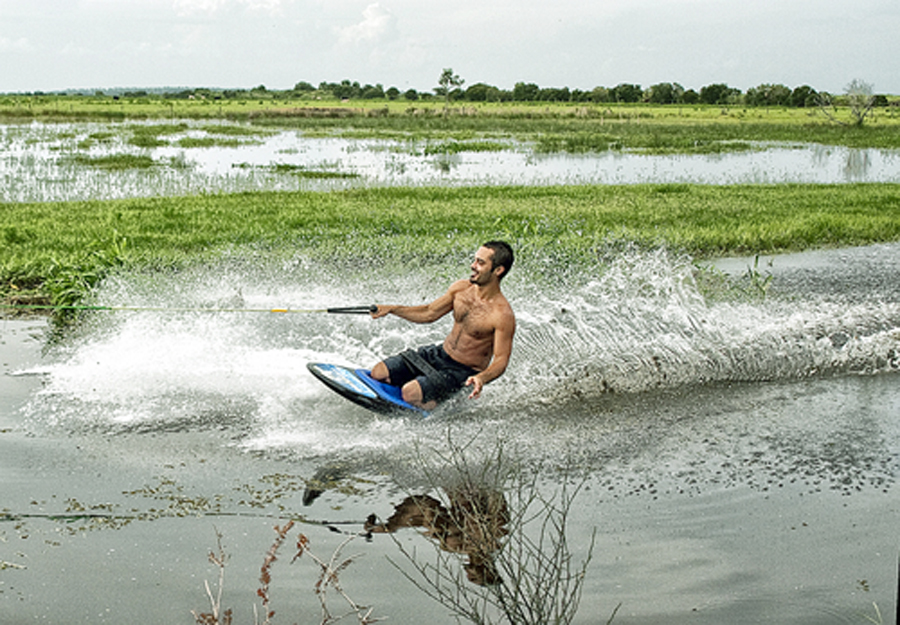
(502, 309)
(505, 308)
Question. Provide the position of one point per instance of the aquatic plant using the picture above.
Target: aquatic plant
(209, 142)
(519, 566)
(216, 616)
(68, 284)
(753, 285)
(116, 161)
(328, 578)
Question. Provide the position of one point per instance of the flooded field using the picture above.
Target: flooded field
(59, 162)
(709, 455)
(737, 460)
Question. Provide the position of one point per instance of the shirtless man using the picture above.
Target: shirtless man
(479, 345)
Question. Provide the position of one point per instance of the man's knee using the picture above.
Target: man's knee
(380, 372)
(412, 392)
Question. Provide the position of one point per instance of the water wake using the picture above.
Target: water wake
(622, 329)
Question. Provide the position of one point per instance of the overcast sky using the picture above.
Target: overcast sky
(50, 45)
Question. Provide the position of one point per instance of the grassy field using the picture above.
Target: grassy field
(61, 249)
(553, 126)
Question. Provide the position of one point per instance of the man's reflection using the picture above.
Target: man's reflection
(474, 526)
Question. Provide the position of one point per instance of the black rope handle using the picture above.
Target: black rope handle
(353, 310)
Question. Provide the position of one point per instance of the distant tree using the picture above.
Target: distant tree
(600, 94)
(580, 96)
(303, 86)
(861, 97)
(718, 93)
(664, 93)
(768, 95)
(525, 92)
(494, 94)
(447, 81)
(178, 95)
(803, 96)
(411, 95)
(346, 90)
(477, 92)
(690, 97)
(554, 94)
(392, 93)
(372, 92)
(625, 92)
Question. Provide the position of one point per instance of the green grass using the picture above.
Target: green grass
(115, 161)
(39, 241)
(209, 142)
(552, 126)
(315, 174)
(560, 133)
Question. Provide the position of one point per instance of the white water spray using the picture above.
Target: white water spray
(634, 326)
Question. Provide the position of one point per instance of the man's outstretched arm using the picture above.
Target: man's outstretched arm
(425, 313)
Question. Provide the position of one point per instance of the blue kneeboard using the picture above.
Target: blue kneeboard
(358, 386)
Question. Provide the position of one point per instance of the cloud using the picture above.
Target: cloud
(208, 7)
(191, 7)
(18, 45)
(377, 22)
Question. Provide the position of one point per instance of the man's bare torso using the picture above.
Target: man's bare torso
(471, 340)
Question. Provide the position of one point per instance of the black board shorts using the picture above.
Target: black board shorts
(444, 379)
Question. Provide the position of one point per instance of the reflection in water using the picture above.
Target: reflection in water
(857, 165)
(473, 525)
(512, 528)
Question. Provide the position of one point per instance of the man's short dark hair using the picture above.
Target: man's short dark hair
(503, 255)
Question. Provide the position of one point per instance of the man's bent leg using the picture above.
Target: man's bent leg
(412, 394)
(380, 372)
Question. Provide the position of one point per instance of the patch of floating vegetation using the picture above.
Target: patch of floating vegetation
(150, 135)
(300, 171)
(211, 135)
(116, 161)
(457, 147)
(96, 138)
(209, 142)
(236, 131)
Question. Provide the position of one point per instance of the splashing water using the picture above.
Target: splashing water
(644, 324)
(610, 333)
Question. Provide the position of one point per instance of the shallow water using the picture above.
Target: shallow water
(36, 164)
(740, 453)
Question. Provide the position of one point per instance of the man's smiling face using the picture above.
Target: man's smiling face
(482, 267)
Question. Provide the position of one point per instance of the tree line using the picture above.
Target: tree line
(451, 88)
(660, 93)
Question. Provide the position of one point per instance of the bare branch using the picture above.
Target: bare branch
(501, 547)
